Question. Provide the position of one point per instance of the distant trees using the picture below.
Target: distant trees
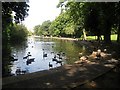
(43, 29)
(62, 26)
(94, 18)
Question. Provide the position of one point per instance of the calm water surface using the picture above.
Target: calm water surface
(69, 52)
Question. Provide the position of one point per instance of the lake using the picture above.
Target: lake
(42, 51)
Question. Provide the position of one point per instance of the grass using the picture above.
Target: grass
(113, 37)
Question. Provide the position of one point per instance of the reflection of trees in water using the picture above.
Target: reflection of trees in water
(70, 48)
(7, 57)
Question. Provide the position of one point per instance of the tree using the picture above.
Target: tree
(37, 30)
(117, 20)
(45, 27)
(91, 19)
(18, 33)
(20, 9)
(63, 25)
(108, 12)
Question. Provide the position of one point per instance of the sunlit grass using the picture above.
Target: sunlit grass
(113, 37)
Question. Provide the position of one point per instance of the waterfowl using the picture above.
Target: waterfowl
(25, 57)
(45, 55)
(54, 59)
(50, 65)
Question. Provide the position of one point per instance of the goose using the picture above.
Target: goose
(58, 54)
(23, 71)
(44, 55)
(25, 57)
(60, 57)
(18, 71)
(50, 65)
(54, 59)
(29, 55)
(15, 59)
(31, 59)
(58, 61)
(28, 62)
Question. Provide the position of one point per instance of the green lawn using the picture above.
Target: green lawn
(113, 37)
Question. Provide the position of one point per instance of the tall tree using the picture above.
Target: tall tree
(20, 9)
(108, 12)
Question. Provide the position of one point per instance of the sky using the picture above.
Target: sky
(40, 11)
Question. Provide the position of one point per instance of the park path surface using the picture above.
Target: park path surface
(66, 76)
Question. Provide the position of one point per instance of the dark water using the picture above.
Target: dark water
(69, 52)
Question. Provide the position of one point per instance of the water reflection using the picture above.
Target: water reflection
(39, 54)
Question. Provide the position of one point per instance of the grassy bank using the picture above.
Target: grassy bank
(113, 37)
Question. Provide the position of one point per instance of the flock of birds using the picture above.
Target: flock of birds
(97, 55)
(56, 58)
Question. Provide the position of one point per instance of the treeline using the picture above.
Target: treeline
(96, 18)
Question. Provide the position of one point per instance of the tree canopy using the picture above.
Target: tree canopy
(9, 30)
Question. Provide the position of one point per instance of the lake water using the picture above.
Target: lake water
(69, 51)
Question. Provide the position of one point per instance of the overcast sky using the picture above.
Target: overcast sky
(40, 11)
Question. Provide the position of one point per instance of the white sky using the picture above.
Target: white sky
(40, 11)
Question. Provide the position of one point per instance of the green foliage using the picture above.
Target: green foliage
(64, 25)
(42, 29)
(20, 9)
(97, 18)
(37, 30)
(18, 33)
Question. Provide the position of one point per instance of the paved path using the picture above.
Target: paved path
(66, 76)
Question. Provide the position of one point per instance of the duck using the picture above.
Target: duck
(23, 71)
(58, 62)
(98, 54)
(31, 59)
(25, 57)
(54, 59)
(44, 55)
(18, 71)
(50, 65)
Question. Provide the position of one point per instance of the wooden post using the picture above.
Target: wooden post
(84, 34)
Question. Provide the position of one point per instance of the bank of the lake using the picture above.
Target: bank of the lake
(66, 76)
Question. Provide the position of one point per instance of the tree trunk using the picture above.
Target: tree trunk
(107, 38)
(107, 33)
(84, 34)
(118, 34)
